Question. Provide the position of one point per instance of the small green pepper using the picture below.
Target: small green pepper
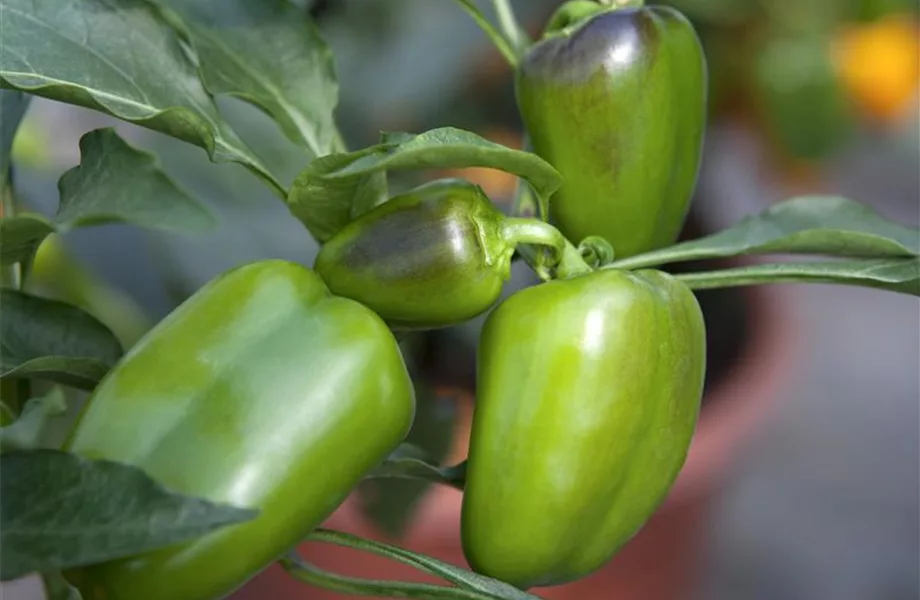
(261, 391)
(432, 257)
(615, 99)
(588, 393)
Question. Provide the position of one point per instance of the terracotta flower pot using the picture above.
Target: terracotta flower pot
(658, 564)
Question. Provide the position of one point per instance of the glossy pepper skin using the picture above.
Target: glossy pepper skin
(263, 391)
(432, 257)
(616, 102)
(587, 399)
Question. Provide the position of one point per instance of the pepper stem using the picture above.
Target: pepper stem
(573, 263)
(556, 257)
(571, 13)
(596, 251)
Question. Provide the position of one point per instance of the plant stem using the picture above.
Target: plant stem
(512, 30)
(572, 12)
(500, 42)
(307, 573)
(468, 585)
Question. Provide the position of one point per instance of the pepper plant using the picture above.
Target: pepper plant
(228, 433)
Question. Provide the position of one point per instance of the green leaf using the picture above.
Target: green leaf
(893, 274)
(323, 196)
(469, 585)
(372, 192)
(51, 340)
(449, 147)
(827, 225)
(353, 587)
(270, 54)
(26, 432)
(20, 237)
(60, 511)
(120, 57)
(411, 462)
(117, 183)
(113, 183)
(13, 106)
(325, 205)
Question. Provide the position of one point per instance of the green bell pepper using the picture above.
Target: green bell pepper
(262, 391)
(588, 393)
(615, 100)
(432, 257)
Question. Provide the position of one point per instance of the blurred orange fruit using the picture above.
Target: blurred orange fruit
(879, 64)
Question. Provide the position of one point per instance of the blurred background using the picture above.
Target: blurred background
(804, 481)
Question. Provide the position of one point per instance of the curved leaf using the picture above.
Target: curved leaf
(893, 274)
(270, 54)
(52, 340)
(828, 225)
(353, 586)
(323, 196)
(411, 462)
(478, 586)
(113, 183)
(75, 371)
(118, 183)
(323, 205)
(120, 57)
(21, 235)
(449, 147)
(61, 511)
